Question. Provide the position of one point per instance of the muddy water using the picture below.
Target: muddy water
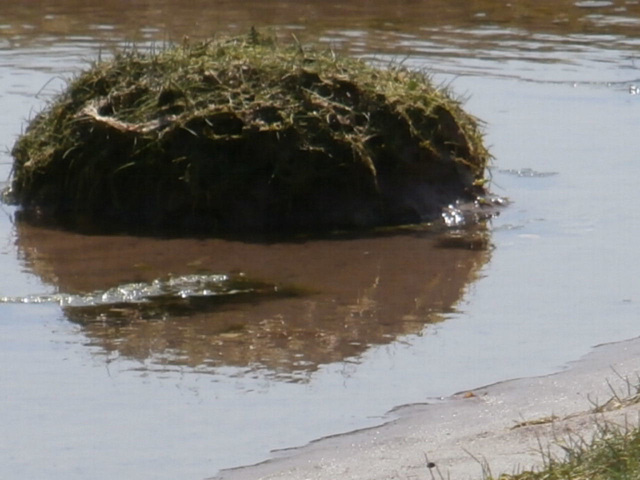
(260, 345)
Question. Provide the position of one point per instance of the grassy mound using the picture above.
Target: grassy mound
(241, 134)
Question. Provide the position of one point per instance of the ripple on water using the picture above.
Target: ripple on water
(593, 4)
(527, 172)
(160, 290)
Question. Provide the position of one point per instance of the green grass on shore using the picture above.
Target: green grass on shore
(612, 453)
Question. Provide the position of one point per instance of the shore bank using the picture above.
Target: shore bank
(502, 427)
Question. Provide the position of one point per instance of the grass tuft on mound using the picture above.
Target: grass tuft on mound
(245, 135)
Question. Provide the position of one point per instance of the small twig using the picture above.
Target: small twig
(91, 111)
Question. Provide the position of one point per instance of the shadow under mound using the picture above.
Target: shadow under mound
(294, 306)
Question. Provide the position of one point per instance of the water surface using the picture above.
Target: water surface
(322, 336)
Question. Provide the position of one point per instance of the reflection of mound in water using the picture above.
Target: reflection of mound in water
(355, 294)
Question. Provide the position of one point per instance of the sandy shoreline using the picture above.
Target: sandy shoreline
(471, 426)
